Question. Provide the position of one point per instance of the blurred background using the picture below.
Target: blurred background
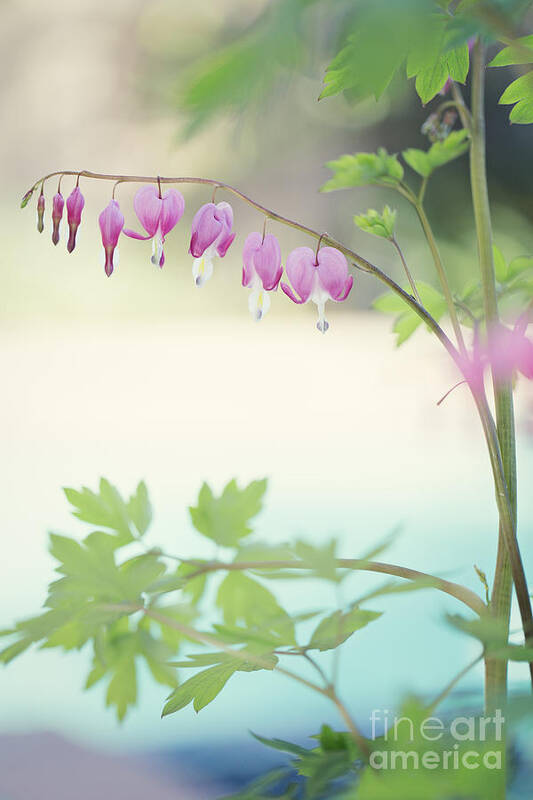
(144, 376)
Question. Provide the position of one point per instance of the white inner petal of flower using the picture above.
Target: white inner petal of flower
(157, 248)
(202, 267)
(320, 296)
(259, 300)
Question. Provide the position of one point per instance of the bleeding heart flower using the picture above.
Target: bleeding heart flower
(40, 213)
(318, 278)
(473, 366)
(57, 214)
(75, 203)
(211, 236)
(510, 350)
(111, 222)
(158, 215)
(261, 271)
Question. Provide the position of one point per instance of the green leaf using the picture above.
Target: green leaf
(243, 599)
(339, 626)
(122, 689)
(500, 264)
(519, 265)
(418, 160)
(377, 224)
(225, 519)
(107, 509)
(520, 93)
(439, 154)
(489, 630)
(282, 745)
(245, 71)
(201, 689)
(521, 52)
(140, 509)
(513, 652)
(321, 559)
(377, 43)
(434, 57)
(364, 169)
(407, 323)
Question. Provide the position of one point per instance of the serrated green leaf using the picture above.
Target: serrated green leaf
(105, 509)
(225, 519)
(435, 56)
(140, 509)
(377, 224)
(364, 169)
(407, 323)
(246, 70)
(335, 629)
(520, 92)
(521, 52)
(439, 154)
(418, 160)
(122, 689)
(243, 599)
(201, 689)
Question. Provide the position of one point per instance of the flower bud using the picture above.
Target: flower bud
(75, 203)
(40, 213)
(57, 215)
(111, 222)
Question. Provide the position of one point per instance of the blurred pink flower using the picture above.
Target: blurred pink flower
(510, 351)
(111, 222)
(58, 204)
(321, 278)
(211, 236)
(473, 365)
(75, 203)
(261, 271)
(158, 215)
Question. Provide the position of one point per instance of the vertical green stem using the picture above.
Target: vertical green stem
(441, 272)
(496, 671)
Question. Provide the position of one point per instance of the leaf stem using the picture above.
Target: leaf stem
(461, 593)
(406, 268)
(249, 656)
(357, 260)
(439, 266)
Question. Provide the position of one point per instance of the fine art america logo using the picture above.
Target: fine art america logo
(460, 743)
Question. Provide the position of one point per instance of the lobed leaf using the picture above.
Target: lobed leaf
(364, 169)
(106, 508)
(440, 153)
(520, 94)
(520, 52)
(226, 519)
(377, 224)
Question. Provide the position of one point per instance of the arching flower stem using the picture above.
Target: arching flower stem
(503, 498)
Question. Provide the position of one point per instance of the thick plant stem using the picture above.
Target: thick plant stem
(496, 671)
